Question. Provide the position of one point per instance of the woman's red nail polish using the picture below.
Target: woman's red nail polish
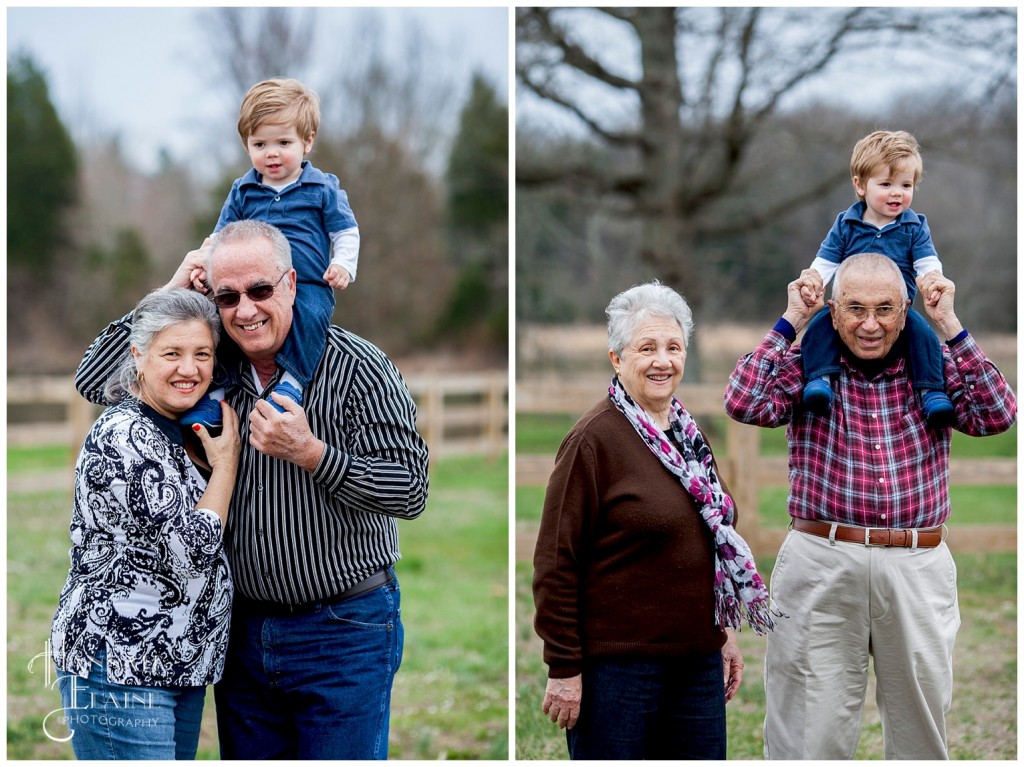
(195, 427)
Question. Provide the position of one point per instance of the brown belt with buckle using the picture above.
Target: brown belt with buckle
(926, 537)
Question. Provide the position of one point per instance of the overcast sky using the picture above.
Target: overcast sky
(138, 72)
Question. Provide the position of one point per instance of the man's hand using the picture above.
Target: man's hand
(562, 700)
(926, 284)
(938, 304)
(192, 271)
(798, 311)
(732, 665)
(812, 287)
(284, 435)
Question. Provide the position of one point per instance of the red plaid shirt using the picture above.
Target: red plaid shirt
(872, 462)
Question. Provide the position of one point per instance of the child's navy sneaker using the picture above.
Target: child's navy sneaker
(288, 390)
(206, 412)
(938, 410)
(818, 396)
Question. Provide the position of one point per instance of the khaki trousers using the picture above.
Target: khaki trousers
(846, 601)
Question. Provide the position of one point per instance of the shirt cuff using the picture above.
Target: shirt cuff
(784, 327)
(958, 337)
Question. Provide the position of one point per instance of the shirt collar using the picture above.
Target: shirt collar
(309, 175)
(856, 213)
(168, 426)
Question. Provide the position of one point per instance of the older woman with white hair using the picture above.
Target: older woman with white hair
(142, 624)
(639, 574)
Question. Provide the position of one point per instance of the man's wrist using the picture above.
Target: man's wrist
(786, 328)
(957, 338)
(951, 328)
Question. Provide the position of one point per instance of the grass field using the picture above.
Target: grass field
(982, 723)
(450, 698)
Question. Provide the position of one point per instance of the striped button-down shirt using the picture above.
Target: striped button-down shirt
(873, 461)
(295, 536)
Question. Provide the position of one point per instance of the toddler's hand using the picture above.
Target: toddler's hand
(927, 283)
(811, 286)
(198, 279)
(337, 277)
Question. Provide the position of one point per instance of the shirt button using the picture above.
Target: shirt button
(881, 479)
(277, 199)
(878, 447)
(873, 415)
(959, 359)
(883, 516)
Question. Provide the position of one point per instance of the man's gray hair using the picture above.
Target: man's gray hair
(641, 302)
(868, 262)
(156, 312)
(251, 229)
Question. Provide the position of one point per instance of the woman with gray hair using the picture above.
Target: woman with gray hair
(142, 623)
(639, 574)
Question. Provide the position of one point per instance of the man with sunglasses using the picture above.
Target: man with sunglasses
(316, 635)
(865, 570)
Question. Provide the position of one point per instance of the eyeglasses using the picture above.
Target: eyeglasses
(885, 313)
(230, 298)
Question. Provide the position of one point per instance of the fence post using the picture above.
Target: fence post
(81, 414)
(744, 447)
(495, 409)
(433, 429)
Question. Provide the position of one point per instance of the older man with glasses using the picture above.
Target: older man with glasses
(865, 570)
(316, 635)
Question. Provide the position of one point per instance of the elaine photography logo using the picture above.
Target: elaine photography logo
(89, 706)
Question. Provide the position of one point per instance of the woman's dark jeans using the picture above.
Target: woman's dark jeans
(642, 709)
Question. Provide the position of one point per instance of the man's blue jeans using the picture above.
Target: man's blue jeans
(311, 686)
(639, 709)
(124, 722)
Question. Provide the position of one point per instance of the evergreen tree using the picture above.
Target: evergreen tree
(478, 219)
(41, 171)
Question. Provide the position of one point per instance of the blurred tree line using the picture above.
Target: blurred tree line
(88, 234)
(689, 145)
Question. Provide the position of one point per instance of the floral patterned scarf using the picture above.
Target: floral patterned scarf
(738, 587)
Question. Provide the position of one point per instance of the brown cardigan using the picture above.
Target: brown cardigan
(624, 563)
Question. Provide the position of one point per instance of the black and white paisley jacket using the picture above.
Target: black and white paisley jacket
(149, 578)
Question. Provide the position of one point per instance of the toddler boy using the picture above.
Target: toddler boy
(886, 167)
(278, 122)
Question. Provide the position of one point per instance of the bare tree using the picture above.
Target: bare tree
(699, 86)
(250, 46)
(395, 86)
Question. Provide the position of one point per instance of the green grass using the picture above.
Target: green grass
(451, 695)
(39, 458)
(982, 723)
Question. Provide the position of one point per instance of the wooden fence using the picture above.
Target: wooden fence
(745, 470)
(457, 414)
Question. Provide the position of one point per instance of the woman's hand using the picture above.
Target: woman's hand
(732, 665)
(222, 452)
(562, 700)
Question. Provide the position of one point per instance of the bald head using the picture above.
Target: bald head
(869, 304)
(874, 264)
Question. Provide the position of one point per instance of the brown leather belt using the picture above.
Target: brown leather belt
(926, 538)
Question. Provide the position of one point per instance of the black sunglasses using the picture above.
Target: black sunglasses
(230, 298)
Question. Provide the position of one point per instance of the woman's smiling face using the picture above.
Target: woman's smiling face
(177, 367)
(652, 363)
